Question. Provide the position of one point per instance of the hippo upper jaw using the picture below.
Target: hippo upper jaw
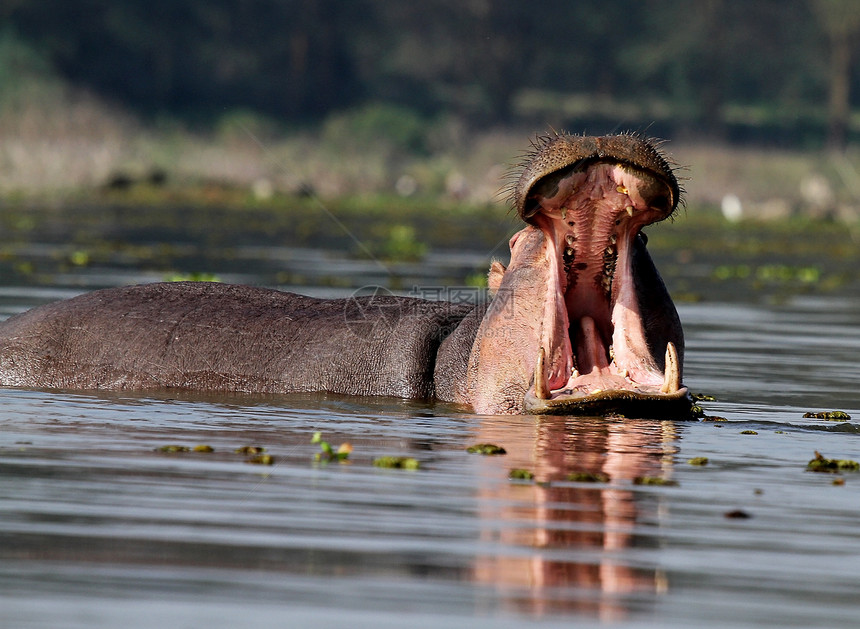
(602, 348)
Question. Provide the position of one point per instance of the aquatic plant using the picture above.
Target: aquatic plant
(658, 481)
(520, 474)
(397, 462)
(327, 453)
(822, 464)
(588, 477)
(836, 416)
(486, 449)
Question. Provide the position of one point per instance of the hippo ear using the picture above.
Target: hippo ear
(494, 277)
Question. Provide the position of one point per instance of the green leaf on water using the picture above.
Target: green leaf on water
(327, 453)
(486, 448)
(822, 464)
(520, 474)
(397, 462)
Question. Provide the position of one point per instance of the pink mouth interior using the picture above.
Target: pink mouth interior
(592, 331)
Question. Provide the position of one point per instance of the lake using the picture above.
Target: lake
(99, 527)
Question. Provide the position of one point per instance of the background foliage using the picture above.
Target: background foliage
(776, 71)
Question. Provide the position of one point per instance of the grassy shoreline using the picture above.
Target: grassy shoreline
(74, 148)
(147, 229)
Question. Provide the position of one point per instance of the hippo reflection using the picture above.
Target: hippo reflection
(580, 321)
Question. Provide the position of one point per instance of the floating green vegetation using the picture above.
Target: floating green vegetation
(521, 474)
(261, 459)
(79, 258)
(486, 449)
(171, 449)
(477, 280)
(250, 450)
(25, 267)
(588, 477)
(696, 411)
(401, 244)
(822, 464)
(834, 416)
(769, 273)
(703, 397)
(698, 460)
(258, 459)
(191, 277)
(749, 432)
(714, 418)
(658, 481)
(397, 462)
(327, 453)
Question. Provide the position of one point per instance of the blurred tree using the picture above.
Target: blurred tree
(840, 20)
(285, 57)
(466, 55)
(704, 56)
(715, 67)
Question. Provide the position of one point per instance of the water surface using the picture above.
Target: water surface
(100, 529)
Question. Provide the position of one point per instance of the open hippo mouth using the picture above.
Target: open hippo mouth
(609, 337)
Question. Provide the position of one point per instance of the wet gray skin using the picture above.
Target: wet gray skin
(581, 322)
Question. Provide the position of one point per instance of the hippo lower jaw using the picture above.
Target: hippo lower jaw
(597, 352)
(619, 401)
(611, 390)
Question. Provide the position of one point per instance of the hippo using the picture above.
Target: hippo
(579, 322)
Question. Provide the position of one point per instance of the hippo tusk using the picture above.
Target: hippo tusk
(541, 386)
(672, 372)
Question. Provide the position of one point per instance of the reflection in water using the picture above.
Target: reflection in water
(583, 532)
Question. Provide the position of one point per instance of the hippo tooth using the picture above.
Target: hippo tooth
(629, 209)
(672, 374)
(541, 386)
(622, 189)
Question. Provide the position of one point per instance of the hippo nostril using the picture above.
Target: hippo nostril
(532, 207)
(661, 203)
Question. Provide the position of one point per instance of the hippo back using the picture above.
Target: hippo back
(218, 337)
